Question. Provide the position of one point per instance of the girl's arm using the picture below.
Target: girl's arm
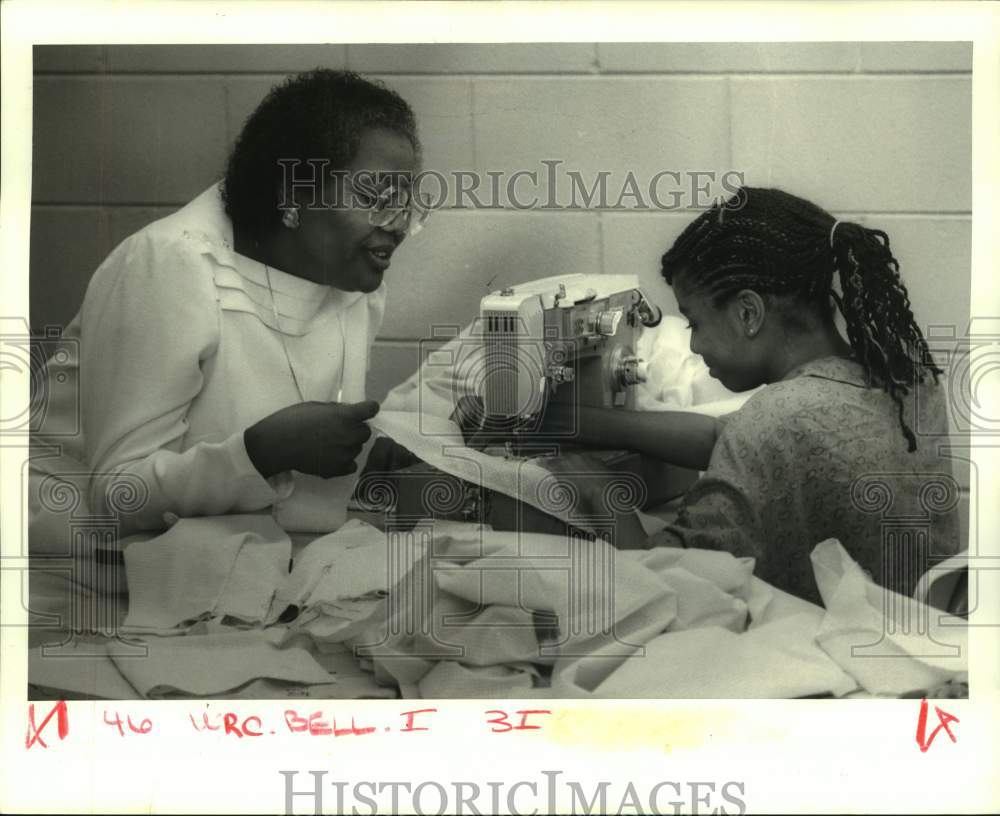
(681, 438)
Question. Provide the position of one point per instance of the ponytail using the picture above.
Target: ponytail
(876, 308)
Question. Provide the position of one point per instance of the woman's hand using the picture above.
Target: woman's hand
(319, 438)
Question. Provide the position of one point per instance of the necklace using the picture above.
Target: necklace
(281, 334)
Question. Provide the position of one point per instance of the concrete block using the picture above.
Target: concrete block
(126, 221)
(594, 126)
(472, 58)
(745, 57)
(67, 245)
(123, 140)
(62, 59)
(916, 56)
(215, 59)
(390, 364)
(866, 143)
(633, 243)
(935, 257)
(440, 276)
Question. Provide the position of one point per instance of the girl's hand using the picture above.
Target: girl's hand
(387, 456)
(319, 438)
(584, 480)
(478, 430)
(600, 497)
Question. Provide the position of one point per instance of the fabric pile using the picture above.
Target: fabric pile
(515, 615)
(217, 663)
(451, 609)
(204, 573)
(339, 582)
(889, 643)
(223, 584)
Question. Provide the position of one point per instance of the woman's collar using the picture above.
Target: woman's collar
(206, 222)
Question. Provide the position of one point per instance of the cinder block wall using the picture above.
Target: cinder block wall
(875, 132)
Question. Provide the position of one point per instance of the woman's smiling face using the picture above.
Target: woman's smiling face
(718, 336)
(337, 246)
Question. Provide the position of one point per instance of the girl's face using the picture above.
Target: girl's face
(719, 336)
(337, 246)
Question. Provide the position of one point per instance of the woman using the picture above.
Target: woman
(223, 349)
(799, 462)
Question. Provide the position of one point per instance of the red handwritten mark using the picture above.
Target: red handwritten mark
(317, 727)
(294, 722)
(256, 732)
(353, 730)
(503, 719)
(35, 731)
(144, 727)
(944, 719)
(117, 722)
(500, 720)
(229, 725)
(411, 715)
(206, 724)
(524, 718)
(250, 726)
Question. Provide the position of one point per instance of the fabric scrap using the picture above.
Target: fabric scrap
(201, 665)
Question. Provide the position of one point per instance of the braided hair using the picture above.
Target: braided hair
(772, 242)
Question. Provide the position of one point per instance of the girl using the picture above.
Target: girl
(844, 437)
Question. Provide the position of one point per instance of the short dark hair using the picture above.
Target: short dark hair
(773, 242)
(318, 114)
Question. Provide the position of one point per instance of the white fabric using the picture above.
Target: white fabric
(449, 679)
(339, 583)
(180, 353)
(201, 568)
(438, 442)
(80, 667)
(777, 660)
(483, 613)
(485, 587)
(768, 604)
(349, 563)
(200, 665)
(890, 643)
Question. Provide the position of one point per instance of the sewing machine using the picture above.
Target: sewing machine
(571, 333)
(567, 339)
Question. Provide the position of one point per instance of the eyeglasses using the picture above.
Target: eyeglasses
(395, 203)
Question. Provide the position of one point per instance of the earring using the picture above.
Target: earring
(290, 217)
(751, 332)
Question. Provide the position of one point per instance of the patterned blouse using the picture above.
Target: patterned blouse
(820, 455)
